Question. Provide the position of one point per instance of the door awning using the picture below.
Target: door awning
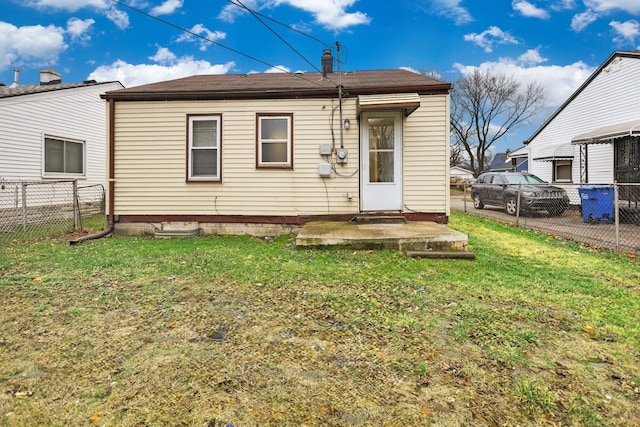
(605, 135)
(408, 102)
(558, 152)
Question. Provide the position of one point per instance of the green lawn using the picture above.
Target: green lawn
(213, 331)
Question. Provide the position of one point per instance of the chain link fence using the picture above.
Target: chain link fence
(37, 209)
(603, 215)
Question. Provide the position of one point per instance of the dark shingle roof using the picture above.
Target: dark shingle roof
(8, 91)
(282, 85)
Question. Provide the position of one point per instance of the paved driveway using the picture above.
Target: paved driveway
(624, 237)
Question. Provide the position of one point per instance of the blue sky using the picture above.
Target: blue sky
(557, 43)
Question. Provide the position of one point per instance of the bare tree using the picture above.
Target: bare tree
(484, 107)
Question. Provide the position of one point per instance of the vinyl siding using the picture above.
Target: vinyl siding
(150, 160)
(76, 113)
(610, 98)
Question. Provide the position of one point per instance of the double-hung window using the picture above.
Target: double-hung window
(63, 157)
(274, 140)
(204, 148)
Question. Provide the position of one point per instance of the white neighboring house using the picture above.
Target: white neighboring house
(54, 130)
(594, 136)
(457, 171)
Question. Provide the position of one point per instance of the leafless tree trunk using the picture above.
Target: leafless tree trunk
(484, 107)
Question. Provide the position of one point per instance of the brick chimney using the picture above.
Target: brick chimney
(50, 77)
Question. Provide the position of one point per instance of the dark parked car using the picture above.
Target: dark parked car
(501, 189)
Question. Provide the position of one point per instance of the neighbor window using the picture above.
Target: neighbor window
(274, 140)
(562, 170)
(63, 157)
(204, 148)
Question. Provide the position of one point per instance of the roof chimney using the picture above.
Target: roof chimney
(327, 63)
(50, 77)
(16, 77)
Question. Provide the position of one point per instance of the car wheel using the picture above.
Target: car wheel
(511, 205)
(477, 203)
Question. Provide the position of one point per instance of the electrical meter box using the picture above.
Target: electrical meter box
(341, 155)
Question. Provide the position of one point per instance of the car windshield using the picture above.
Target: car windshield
(523, 179)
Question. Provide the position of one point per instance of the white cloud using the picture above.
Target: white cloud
(167, 8)
(203, 31)
(598, 8)
(630, 6)
(531, 57)
(331, 14)
(164, 56)
(36, 45)
(558, 81)
(167, 67)
(278, 69)
(627, 32)
(529, 10)
(78, 29)
(69, 5)
(489, 37)
(580, 21)
(118, 17)
(451, 9)
(106, 7)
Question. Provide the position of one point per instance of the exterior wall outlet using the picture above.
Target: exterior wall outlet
(324, 169)
(341, 155)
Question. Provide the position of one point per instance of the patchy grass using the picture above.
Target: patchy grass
(133, 331)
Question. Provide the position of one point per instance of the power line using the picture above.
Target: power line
(323, 43)
(178, 27)
(255, 15)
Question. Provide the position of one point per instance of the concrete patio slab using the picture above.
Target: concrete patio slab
(414, 236)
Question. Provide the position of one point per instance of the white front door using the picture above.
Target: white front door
(381, 161)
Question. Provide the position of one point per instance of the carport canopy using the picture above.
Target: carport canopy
(606, 134)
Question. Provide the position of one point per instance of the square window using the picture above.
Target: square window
(63, 157)
(274, 140)
(204, 148)
(562, 170)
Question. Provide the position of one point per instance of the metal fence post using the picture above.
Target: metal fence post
(24, 206)
(616, 214)
(74, 202)
(518, 205)
(464, 197)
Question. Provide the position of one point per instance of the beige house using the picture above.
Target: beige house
(243, 154)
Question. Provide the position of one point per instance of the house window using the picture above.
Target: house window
(204, 148)
(562, 170)
(63, 157)
(274, 140)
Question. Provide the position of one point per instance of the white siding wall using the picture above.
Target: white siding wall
(610, 98)
(150, 160)
(426, 156)
(77, 113)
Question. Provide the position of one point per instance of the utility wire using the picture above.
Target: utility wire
(178, 27)
(323, 43)
(255, 15)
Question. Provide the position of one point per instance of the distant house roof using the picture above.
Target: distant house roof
(508, 161)
(9, 91)
(617, 54)
(283, 85)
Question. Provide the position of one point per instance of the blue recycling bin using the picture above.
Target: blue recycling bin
(597, 203)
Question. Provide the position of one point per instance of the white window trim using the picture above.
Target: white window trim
(45, 174)
(289, 141)
(191, 120)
